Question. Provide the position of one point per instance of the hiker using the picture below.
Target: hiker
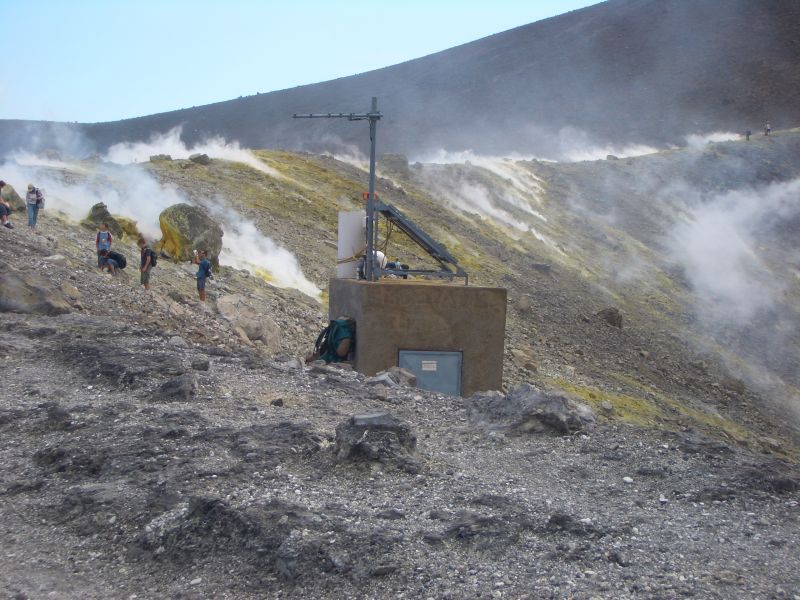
(747, 134)
(5, 209)
(147, 264)
(103, 241)
(34, 200)
(767, 128)
(203, 272)
(336, 342)
(106, 262)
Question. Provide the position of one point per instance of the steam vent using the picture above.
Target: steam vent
(449, 335)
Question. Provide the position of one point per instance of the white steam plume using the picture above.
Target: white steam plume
(245, 247)
(700, 141)
(132, 192)
(170, 143)
(717, 246)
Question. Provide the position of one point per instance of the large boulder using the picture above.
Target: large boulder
(10, 195)
(129, 227)
(377, 437)
(527, 409)
(99, 214)
(255, 326)
(186, 228)
(29, 293)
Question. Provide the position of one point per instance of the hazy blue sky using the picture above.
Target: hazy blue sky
(113, 59)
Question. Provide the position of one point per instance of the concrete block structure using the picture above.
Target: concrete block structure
(436, 324)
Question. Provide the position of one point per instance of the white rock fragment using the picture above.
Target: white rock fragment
(627, 479)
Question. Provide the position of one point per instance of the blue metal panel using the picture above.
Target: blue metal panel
(435, 371)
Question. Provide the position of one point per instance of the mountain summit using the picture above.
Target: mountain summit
(620, 72)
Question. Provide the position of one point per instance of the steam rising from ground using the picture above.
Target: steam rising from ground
(700, 141)
(718, 247)
(170, 143)
(132, 192)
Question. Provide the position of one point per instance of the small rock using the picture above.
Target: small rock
(619, 558)
(181, 388)
(627, 479)
(403, 376)
(612, 316)
(200, 159)
(383, 570)
(383, 378)
(196, 581)
(277, 402)
(391, 514)
(56, 259)
(201, 364)
(178, 342)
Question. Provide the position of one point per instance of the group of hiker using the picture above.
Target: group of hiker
(34, 202)
(767, 130)
(112, 261)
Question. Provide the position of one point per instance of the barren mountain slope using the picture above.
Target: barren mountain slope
(622, 71)
(150, 452)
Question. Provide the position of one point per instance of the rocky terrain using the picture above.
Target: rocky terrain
(159, 447)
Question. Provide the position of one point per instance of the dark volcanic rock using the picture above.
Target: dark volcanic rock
(99, 214)
(527, 409)
(612, 316)
(181, 388)
(377, 437)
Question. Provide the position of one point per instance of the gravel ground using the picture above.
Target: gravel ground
(148, 477)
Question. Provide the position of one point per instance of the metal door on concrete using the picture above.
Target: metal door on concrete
(435, 371)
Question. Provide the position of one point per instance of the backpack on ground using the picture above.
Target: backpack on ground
(337, 340)
(121, 261)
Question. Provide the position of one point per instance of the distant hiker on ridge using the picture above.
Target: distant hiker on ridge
(103, 241)
(5, 210)
(34, 200)
(747, 135)
(203, 272)
(148, 262)
(767, 128)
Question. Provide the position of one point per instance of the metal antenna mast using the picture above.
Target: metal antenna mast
(371, 269)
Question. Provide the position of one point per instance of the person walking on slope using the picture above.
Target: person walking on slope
(34, 200)
(5, 209)
(147, 263)
(103, 241)
(203, 272)
(767, 128)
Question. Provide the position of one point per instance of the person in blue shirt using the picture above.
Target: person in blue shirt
(103, 241)
(105, 262)
(203, 272)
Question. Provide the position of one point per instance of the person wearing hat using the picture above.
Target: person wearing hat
(34, 200)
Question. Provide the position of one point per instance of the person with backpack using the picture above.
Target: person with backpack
(149, 260)
(5, 209)
(336, 342)
(103, 241)
(106, 262)
(34, 200)
(203, 272)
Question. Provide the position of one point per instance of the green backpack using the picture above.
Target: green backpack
(329, 345)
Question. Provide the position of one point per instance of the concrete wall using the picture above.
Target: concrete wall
(393, 315)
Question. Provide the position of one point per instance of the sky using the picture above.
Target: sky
(85, 61)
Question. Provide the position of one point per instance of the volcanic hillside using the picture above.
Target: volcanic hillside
(152, 449)
(621, 72)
